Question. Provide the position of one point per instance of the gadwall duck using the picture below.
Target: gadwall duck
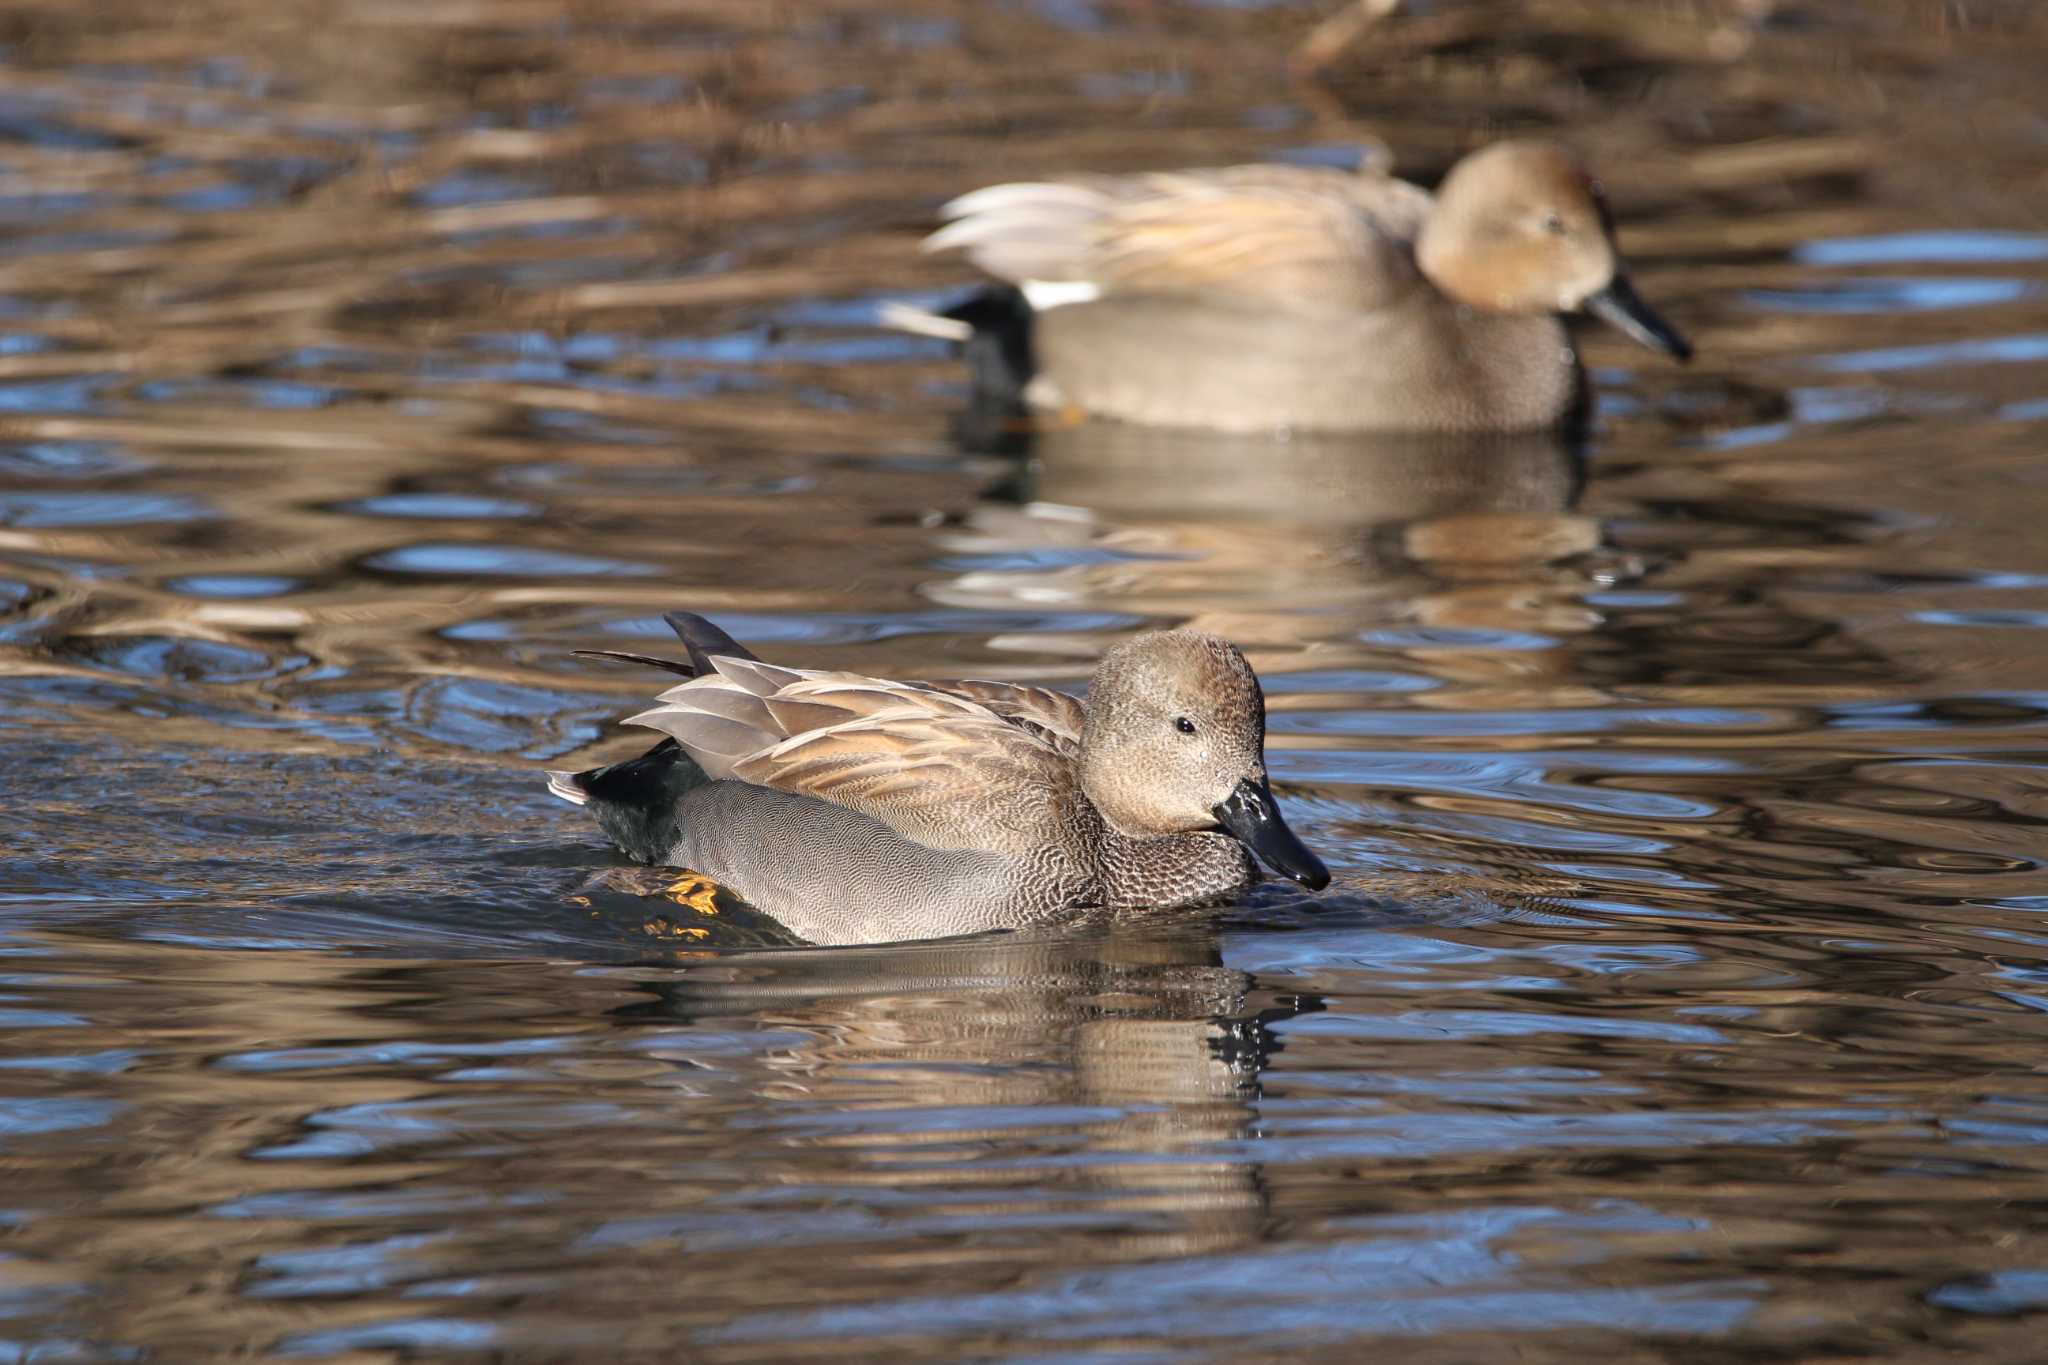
(854, 809)
(1274, 297)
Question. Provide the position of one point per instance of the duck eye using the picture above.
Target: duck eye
(1184, 725)
(1553, 224)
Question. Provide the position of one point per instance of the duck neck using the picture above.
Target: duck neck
(1490, 371)
(1166, 871)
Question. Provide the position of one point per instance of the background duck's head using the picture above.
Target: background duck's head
(1175, 743)
(1520, 227)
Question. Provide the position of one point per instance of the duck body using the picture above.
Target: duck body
(832, 875)
(1425, 363)
(1286, 297)
(854, 809)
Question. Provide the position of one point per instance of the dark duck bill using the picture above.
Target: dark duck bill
(1253, 818)
(1620, 307)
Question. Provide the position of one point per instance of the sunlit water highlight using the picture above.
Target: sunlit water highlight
(1685, 988)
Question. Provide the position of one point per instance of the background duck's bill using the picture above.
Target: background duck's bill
(1621, 308)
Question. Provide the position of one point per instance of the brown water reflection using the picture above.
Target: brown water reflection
(1684, 993)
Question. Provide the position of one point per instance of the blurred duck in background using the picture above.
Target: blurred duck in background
(1255, 298)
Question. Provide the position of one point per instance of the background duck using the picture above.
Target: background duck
(1275, 297)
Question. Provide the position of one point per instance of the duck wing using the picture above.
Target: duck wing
(1307, 238)
(939, 767)
(1053, 717)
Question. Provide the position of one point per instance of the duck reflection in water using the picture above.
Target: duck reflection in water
(1281, 543)
(856, 810)
(1135, 1046)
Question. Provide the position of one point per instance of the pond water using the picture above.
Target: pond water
(1683, 994)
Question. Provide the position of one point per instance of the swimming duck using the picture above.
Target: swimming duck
(1275, 297)
(856, 809)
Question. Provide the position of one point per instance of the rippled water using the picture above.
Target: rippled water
(1685, 990)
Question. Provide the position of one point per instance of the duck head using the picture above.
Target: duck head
(1175, 743)
(1520, 227)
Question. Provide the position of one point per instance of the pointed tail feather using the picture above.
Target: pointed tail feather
(699, 636)
(672, 665)
(568, 786)
(704, 640)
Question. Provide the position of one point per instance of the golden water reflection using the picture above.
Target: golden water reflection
(1682, 992)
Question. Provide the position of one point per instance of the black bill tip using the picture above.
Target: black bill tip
(1620, 307)
(1253, 818)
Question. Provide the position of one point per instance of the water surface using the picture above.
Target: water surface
(1685, 987)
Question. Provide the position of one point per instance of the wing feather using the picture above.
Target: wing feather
(1053, 716)
(979, 765)
(1305, 237)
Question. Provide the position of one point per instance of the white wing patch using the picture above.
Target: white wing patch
(1044, 295)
